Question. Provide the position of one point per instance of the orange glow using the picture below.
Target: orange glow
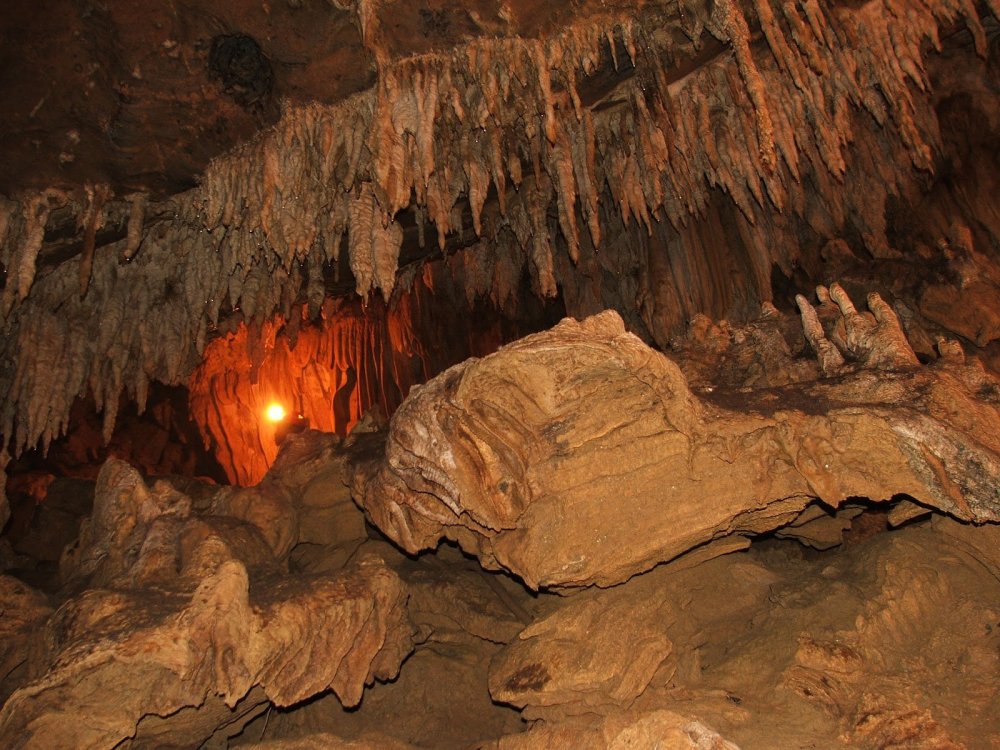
(275, 412)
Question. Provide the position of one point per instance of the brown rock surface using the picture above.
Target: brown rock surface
(140, 535)
(779, 534)
(462, 615)
(327, 741)
(602, 650)
(293, 639)
(885, 639)
(184, 626)
(889, 643)
(22, 611)
(633, 730)
(581, 456)
(54, 522)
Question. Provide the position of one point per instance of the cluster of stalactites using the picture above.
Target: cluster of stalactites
(330, 371)
(328, 377)
(779, 126)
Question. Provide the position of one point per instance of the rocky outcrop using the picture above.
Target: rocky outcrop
(722, 516)
(616, 640)
(581, 456)
(22, 612)
(891, 642)
(617, 731)
(182, 625)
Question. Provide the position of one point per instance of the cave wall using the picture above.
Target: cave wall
(679, 162)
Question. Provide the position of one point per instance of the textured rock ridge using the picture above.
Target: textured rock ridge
(581, 456)
(181, 623)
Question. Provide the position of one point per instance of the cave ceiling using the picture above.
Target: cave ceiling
(175, 171)
(131, 96)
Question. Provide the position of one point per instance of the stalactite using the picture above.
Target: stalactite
(733, 27)
(35, 212)
(334, 371)
(97, 196)
(136, 218)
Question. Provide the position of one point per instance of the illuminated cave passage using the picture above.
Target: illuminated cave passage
(500, 374)
(326, 374)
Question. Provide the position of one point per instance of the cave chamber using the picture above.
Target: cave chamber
(500, 374)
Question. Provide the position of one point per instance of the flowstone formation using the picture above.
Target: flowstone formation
(180, 622)
(724, 503)
(335, 370)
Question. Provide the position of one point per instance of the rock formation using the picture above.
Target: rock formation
(509, 375)
(581, 456)
(193, 608)
(630, 126)
(222, 606)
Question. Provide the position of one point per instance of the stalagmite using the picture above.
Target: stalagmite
(745, 494)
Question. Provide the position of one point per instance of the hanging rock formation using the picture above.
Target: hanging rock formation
(708, 509)
(334, 370)
(809, 118)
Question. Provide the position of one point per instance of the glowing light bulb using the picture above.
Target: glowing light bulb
(275, 412)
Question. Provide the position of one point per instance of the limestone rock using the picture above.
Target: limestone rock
(581, 456)
(140, 535)
(895, 644)
(327, 741)
(54, 522)
(819, 528)
(602, 650)
(634, 730)
(967, 305)
(449, 604)
(22, 612)
(4, 504)
(182, 626)
(890, 642)
(327, 514)
(300, 499)
(161, 653)
(268, 508)
(441, 698)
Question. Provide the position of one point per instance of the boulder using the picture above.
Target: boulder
(581, 456)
